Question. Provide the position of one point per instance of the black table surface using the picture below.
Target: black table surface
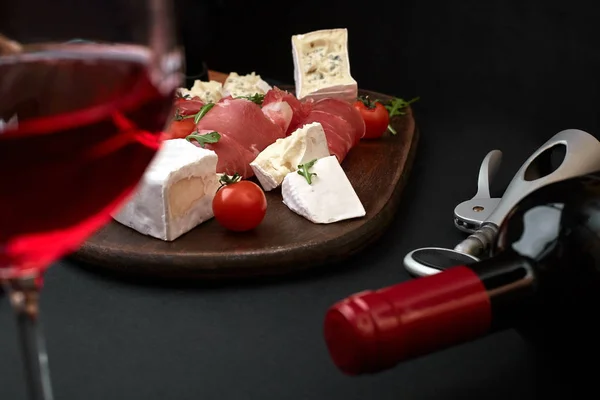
(491, 75)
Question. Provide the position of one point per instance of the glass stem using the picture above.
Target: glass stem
(24, 295)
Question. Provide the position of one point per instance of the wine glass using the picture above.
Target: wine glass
(85, 89)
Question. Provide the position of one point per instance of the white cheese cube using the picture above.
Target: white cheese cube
(329, 198)
(244, 85)
(208, 92)
(282, 157)
(175, 194)
(322, 65)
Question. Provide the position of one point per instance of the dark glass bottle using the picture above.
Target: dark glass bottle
(543, 277)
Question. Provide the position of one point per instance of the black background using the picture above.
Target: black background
(491, 74)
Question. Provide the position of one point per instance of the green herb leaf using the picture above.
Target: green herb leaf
(211, 137)
(228, 180)
(303, 169)
(397, 106)
(206, 108)
(255, 98)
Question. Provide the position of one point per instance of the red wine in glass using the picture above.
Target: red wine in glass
(85, 124)
(70, 160)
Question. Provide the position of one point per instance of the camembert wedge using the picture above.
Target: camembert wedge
(329, 197)
(322, 65)
(282, 157)
(175, 194)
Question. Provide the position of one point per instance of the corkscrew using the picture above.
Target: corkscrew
(579, 154)
(470, 214)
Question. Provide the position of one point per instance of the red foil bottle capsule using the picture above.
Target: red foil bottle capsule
(374, 330)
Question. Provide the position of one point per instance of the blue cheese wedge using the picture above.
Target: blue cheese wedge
(329, 198)
(322, 65)
(208, 92)
(282, 157)
(175, 194)
(244, 85)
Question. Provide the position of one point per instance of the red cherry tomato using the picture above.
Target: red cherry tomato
(180, 129)
(376, 118)
(240, 206)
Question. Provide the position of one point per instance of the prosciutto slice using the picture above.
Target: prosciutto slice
(280, 113)
(300, 110)
(347, 112)
(339, 132)
(245, 131)
(342, 123)
(187, 107)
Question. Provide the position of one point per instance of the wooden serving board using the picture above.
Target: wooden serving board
(283, 242)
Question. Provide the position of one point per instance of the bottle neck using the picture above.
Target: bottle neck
(512, 285)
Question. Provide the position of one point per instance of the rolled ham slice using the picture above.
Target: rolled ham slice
(280, 113)
(339, 132)
(347, 112)
(342, 123)
(245, 131)
(187, 107)
(300, 110)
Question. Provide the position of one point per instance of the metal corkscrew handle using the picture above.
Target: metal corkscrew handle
(582, 156)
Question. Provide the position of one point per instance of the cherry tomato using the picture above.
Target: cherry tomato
(376, 118)
(240, 206)
(180, 129)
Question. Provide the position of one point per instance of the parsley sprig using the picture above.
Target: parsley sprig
(210, 137)
(198, 116)
(255, 98)
(397, 106)
(303, 169)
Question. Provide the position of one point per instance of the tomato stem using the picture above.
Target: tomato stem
(228, 180)
(370, 104)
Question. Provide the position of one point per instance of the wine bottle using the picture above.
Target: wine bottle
(543, 276)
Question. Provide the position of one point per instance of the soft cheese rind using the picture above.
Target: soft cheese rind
(244, 85)
(282, 157)
(330, 198)
(322, 65)
(175, 194)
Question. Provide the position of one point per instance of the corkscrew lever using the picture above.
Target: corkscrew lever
(470, 214)
(581, 156)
